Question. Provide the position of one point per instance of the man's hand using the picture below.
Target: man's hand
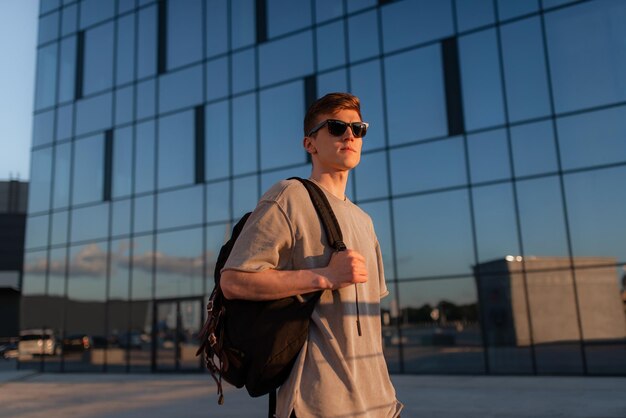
(345, 268)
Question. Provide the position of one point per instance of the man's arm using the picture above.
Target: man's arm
(345, 268)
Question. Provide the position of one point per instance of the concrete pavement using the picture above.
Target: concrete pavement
(28, 394)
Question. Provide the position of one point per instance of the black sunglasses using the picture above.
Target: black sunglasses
(338, 127)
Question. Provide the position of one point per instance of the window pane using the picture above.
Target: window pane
(473, 14)
(366, 83)
(534, 150)
(48, 28)
(371, 176)
(143, 261)
(327, 9)
(88, 173)
(69, 20)
(380, 214)
(285, 16)
(593, 138)
(244, 134)
(218, 201)
(217, 134)
(180, 208)
(144, 157)
(245, 195)
(67, 78)
(215, 237)
(93, 114)
(146, 99)
(46, 76)
(179, 266)
(94, 11)
(243, 19)
(98, 70)
(489, 156)
(184, 27)
(355, 5)
(120, 218)
(65, 122)
(122, 162)
(332, 82)
(124, 105)
(243, 73)
(587, 54)
(125, 60)
(216, 27)
(331, 51)
(407, 23)
(176, 150)
(34, 278)
(37, 231)
(281, 126)
(143, 214)
(62, 165)
(416, 101)
(147, 42)
(480, 78)
(363, 43)
(43, 128)
(217, 78)
(39, 184)
(180, 89)
(413, 167)
(48, 5)
(125, 5)
(59, 223)
(508, 9)
(442, 222)
(299, 48)
(90, 223)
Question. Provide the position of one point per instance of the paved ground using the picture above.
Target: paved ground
(27, 394)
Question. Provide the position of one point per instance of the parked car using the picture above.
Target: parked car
(38, 342)
(8, 350)
(83, 342)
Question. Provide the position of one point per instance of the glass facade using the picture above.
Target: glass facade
(493, 171)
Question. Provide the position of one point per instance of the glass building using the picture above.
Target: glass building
(492, 171)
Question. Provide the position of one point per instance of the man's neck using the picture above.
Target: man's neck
(335, 182)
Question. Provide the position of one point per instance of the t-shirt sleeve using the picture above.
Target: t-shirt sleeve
(381, 272)
(266, 241)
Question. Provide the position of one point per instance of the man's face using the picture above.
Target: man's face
(335, 153)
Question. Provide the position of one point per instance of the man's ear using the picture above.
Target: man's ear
(308, 145)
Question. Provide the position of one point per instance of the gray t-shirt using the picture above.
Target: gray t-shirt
(338, 373)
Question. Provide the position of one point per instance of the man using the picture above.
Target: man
(282, 251)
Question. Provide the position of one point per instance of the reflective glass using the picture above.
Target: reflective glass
(122, 172)
(124, 105)
(268, 179)
(371, 176)
(94, 11)
(217, 134)
(125, 50)
(413, 167)
(416, 103)
(147, 42)
(67, 76)
(46, 6)
(495, 221)
(62, 169)
(125, 5)
(281, 126)
(327, 9)
(489, 156)
(176, 150)
(144, 157)
(243, 71)
(180, 89)
(380, 214)
(366, 83)
(34, 276)
(90, 223)
(299, 49)
(433, 235)
(216, 27)
(217, 76)
(508, 9)
(285, 16)
(362, 43)
(88, 172)
(331, 50)
(120, 217)
(354, 5)
(218, 201)
(474, 13)
(143, 261)
(65, 122)
(215, 237)
(591, 73)
(180, 263)
(245, 134)
(146, 99)
(143, 214)
(98, 64)
(541, 218)
(43, 128)
(525, 70)
(118, 312)
(69, 20)
(534, 150)
(39, 183)
(37, 231)
(245, 195)
(407, 23)
(243, 23)
(452, 343)
(332, 82)
(93, 114)
(595, 206)
(480, 79)
(58, 227)
(48, 28)
(592, 138)
(184, 27)
(179, 208)
(46, 76)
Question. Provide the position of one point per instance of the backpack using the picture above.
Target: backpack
(255, 343)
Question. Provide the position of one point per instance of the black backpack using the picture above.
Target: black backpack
(255, 343)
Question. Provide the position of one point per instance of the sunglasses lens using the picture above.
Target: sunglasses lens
(359, 129)
(336, 127)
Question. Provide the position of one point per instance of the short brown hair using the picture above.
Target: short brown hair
(330, 103)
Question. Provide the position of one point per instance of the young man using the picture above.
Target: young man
(282, 251)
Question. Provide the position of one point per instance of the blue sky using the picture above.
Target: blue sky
(18, 32)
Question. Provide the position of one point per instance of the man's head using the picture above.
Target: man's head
(334, 132)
